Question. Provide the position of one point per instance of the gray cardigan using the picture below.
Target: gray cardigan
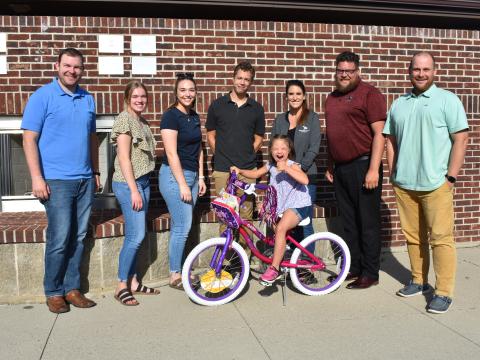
(307, 140)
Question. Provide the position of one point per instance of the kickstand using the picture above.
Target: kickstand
(284, 285)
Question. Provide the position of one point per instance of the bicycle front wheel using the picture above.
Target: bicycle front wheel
(200, 281)
(334, 253)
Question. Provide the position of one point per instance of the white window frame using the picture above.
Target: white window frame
(27, 203)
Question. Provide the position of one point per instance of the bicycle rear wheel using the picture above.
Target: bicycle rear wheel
(334, 253)
(200, 281)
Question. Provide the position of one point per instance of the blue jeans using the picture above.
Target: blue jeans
(181, 213)
(135, 224)
(301, 232)
(68, 210)
(302, 213)
(308, 229)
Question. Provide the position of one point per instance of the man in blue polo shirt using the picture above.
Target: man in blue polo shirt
(235, 128)
(427, 138)
(61, 150)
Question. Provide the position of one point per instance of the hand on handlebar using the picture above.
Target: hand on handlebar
(247, 188)
(235, 170)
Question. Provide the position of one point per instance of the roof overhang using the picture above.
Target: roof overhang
(419, 13)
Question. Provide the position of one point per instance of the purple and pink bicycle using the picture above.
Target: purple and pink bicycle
(217, 270)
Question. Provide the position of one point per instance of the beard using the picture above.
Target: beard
(419, 89)
(346, 88)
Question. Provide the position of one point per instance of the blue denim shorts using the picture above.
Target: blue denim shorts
(302, 213)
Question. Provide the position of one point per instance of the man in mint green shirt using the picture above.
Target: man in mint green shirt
(427, 137)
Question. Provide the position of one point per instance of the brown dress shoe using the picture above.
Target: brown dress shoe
(77, 299)
(57, 304)
(362, 282)
(351, 276)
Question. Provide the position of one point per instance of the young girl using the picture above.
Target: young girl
(293, 199)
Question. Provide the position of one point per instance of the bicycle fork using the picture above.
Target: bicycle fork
(220, 253)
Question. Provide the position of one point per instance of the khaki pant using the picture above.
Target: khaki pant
(427, 218)
(246, 210)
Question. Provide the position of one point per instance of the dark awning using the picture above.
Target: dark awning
(418, 13)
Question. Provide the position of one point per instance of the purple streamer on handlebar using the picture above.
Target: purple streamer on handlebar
(261, 187)
(268, 211)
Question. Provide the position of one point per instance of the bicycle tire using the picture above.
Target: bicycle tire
(200, 281)
(334, 252)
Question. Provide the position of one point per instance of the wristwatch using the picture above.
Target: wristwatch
(451, 179)
(96, 173)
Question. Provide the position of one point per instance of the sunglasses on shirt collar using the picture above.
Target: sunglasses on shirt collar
(185, 75)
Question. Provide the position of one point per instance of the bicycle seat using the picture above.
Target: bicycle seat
(304, 222)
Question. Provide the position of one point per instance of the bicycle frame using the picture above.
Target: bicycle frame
(221, 251)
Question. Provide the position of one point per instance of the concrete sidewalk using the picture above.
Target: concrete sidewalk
(348, 324)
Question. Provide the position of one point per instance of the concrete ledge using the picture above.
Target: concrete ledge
(30, 227)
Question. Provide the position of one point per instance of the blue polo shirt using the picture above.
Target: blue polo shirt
(189, 137)
(422, 126)
(64, 123)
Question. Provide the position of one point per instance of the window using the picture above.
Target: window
(15, 183)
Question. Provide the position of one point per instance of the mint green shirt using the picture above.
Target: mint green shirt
(422, 126)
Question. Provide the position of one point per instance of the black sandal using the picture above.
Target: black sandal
(124, 296)
(145, 290)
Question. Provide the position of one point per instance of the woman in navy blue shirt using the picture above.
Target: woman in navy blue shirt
(181, 178)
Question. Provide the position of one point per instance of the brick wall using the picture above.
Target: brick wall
(280, 51)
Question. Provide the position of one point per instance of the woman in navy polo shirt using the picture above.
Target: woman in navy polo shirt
(181, 177)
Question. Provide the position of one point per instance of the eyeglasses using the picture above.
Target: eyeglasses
(348, 72)
(185, 75)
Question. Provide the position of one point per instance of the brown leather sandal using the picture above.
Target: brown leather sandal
(176, 284)
(124, 296)
(145, 290)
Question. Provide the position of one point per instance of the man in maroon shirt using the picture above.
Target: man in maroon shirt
(355, 114)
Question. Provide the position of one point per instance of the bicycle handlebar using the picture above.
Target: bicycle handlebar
(249, 189)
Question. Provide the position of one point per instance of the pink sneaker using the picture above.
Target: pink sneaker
(269, 276)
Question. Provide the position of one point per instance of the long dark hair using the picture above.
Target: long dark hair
(305, 110)
(181, 77)
(291, 152)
